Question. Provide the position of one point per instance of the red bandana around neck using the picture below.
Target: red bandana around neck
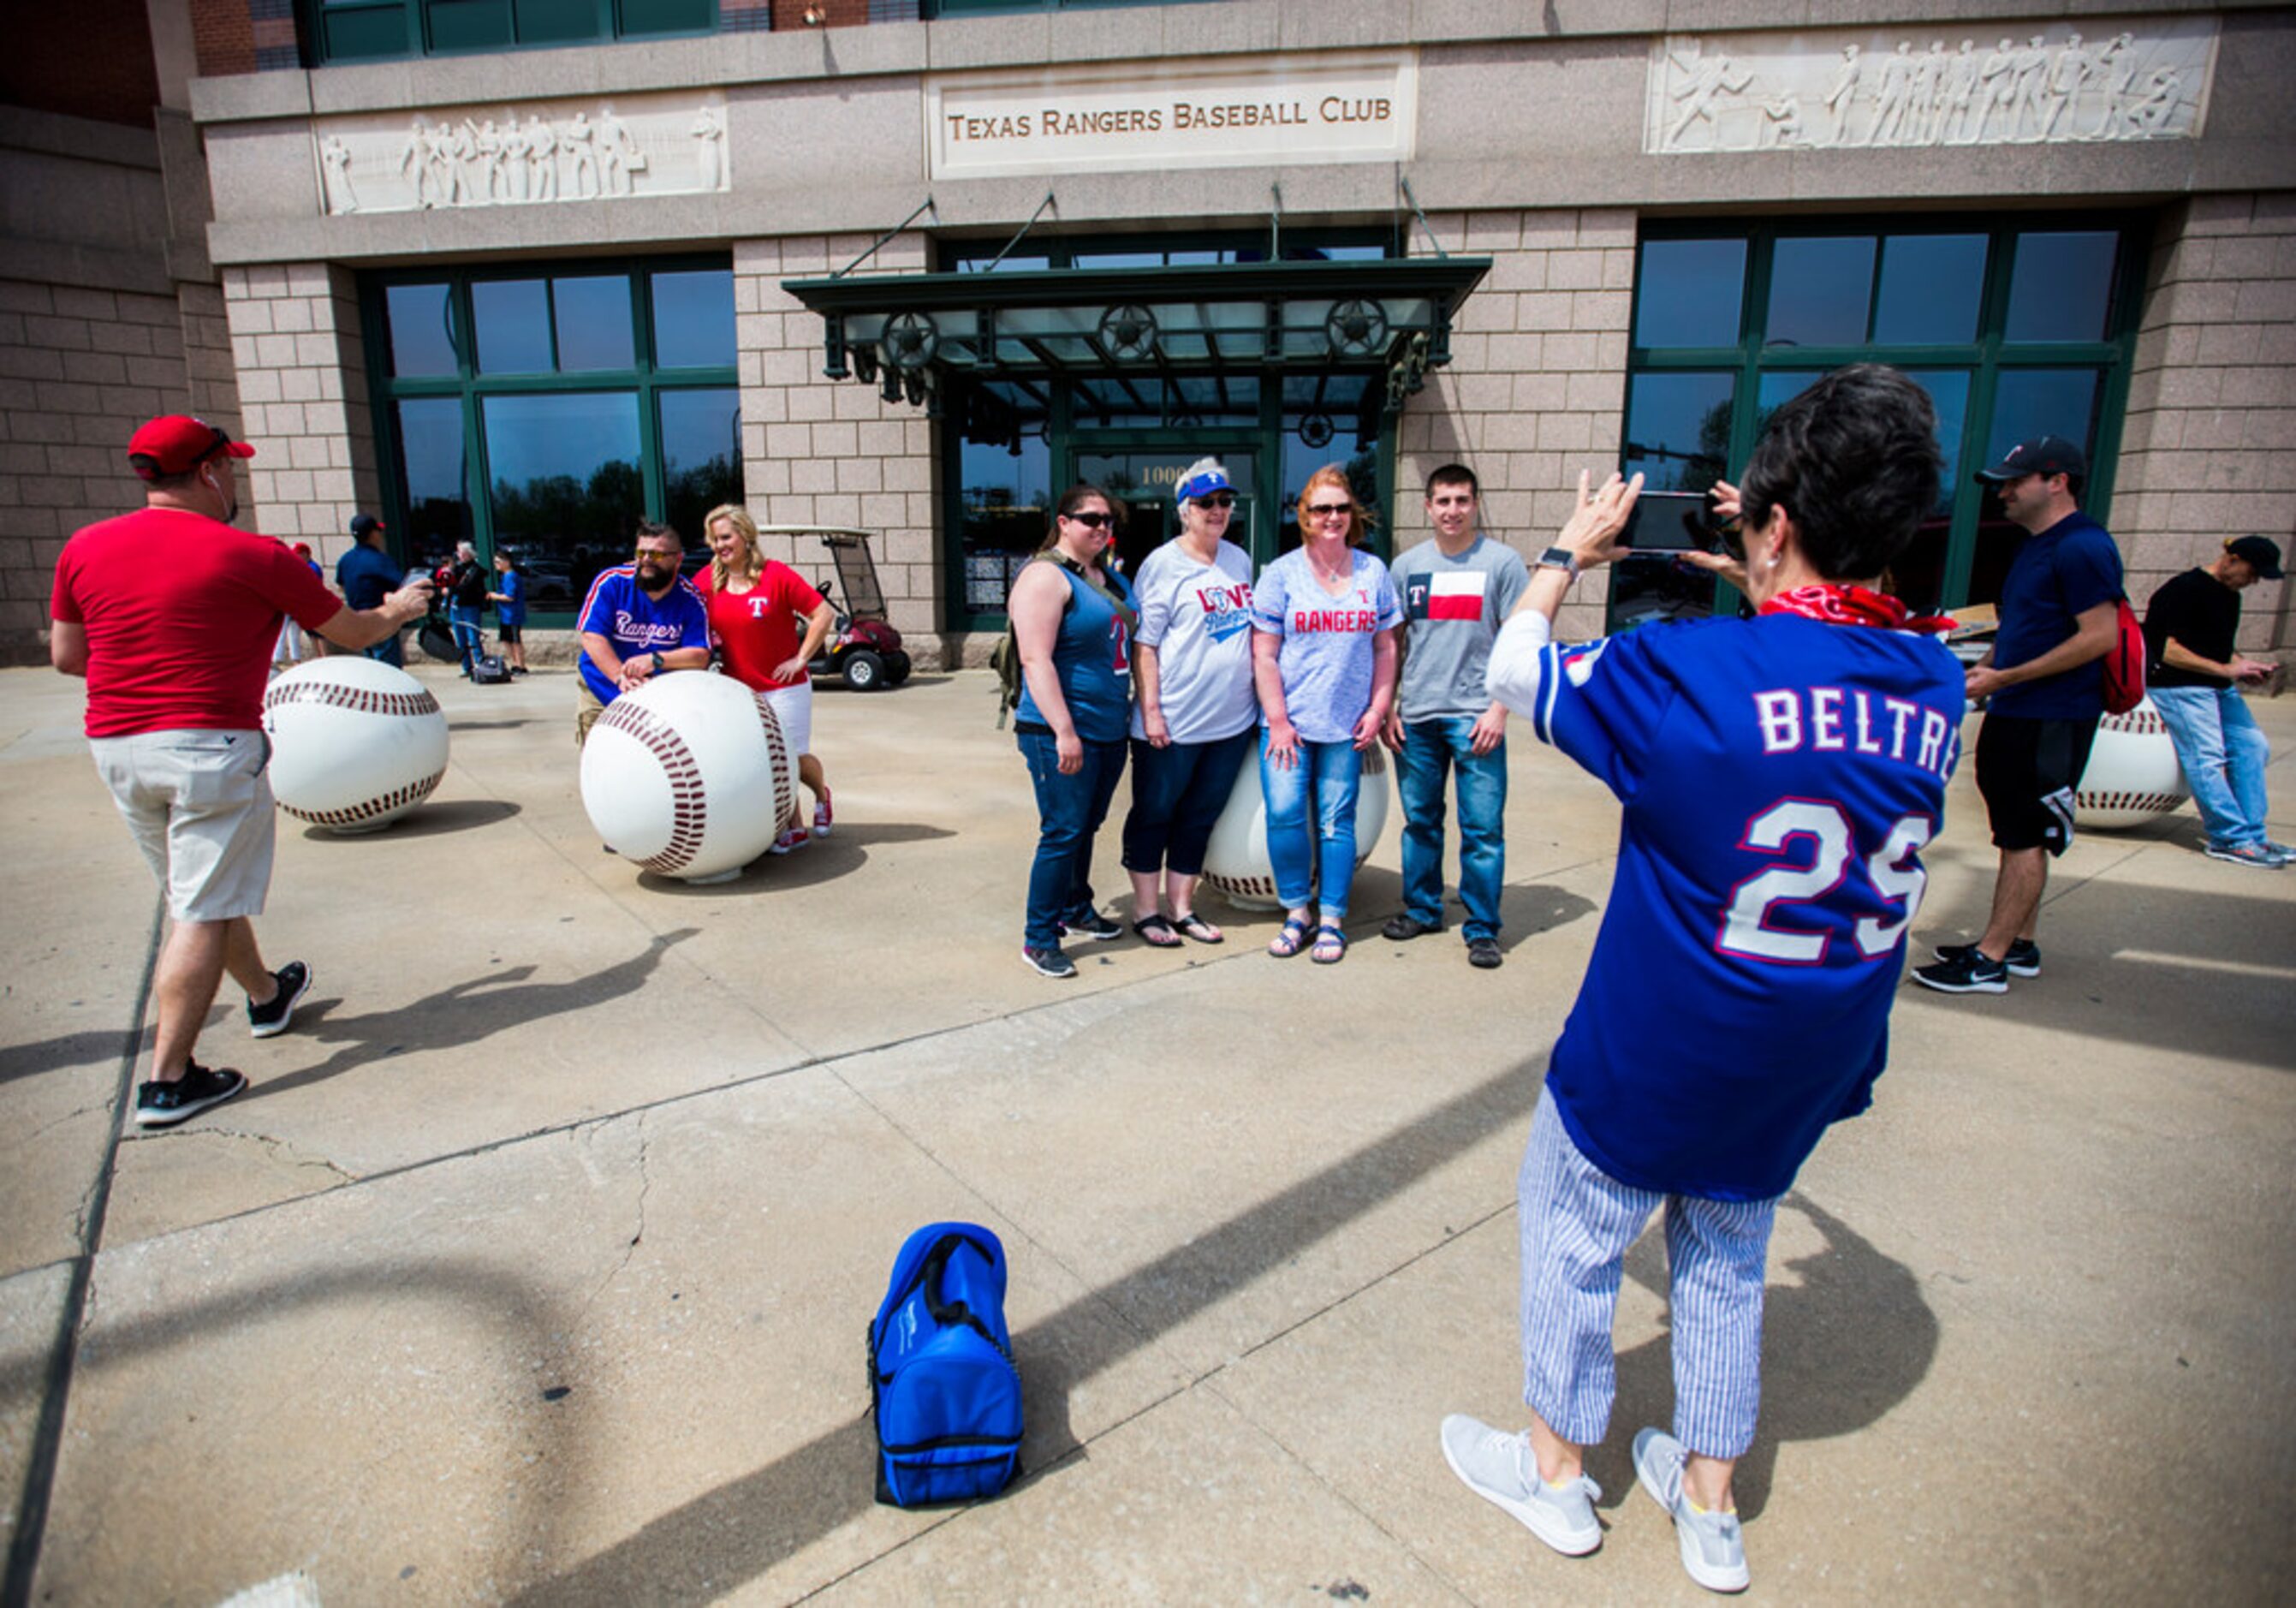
(1853, 606)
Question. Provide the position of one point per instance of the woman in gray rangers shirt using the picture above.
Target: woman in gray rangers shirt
(1191, 722)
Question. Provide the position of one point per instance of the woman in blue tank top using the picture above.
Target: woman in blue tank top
(1072, 621)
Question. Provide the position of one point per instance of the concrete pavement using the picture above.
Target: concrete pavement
(534, 1264)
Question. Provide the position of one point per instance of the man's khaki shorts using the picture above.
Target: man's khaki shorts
(199, 806)
(586, 711)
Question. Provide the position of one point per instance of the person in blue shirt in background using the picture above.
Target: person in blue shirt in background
(2042, 682)
(510, 609)
(1779, 778)
(366, 575)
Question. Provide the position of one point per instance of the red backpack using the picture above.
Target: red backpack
(2124, 664)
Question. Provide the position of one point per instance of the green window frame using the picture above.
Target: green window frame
(1758, 370)
(340, 31)
(457, 386)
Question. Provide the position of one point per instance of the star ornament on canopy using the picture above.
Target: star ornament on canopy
(1129, 332)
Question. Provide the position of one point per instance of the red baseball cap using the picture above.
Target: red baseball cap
(177, 444)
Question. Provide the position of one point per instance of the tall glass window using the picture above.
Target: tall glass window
(2013, 331)
(546, 412)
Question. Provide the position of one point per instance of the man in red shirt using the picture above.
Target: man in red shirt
(170, 614)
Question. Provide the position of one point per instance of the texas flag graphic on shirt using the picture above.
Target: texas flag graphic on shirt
(1447, 595)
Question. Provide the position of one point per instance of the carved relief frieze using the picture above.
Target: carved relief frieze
(2031, 84)
(528, 153)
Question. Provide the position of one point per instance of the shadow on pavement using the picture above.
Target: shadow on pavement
(430, 821)
(463, 1014)
(840, 854)
(2139, 963)
(1846, 1341)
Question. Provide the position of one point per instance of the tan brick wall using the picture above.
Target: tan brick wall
(79, 370)
(302, 363)
(833, 451)
(2208, 449)
(1536, 390)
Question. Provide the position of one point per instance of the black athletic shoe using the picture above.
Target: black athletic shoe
(2024, 959)
(268, 1021)
(1970, 974)
(1484, 953)
(1092, 924)
(1048, 963)
(1408, 926)
(165, 1104)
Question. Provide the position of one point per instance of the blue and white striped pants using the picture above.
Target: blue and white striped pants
(1577, 1224)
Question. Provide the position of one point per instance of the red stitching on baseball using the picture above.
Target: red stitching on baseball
(689, 806)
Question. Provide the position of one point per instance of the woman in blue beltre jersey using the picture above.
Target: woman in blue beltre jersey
(1779, 776)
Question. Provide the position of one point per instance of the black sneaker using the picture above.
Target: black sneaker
(1092, 924)
(1970, 974)
(165, 1104)
(1048, 963)
(2024, 959)
(269, 1021)
(1408, 926)
(1484, 952)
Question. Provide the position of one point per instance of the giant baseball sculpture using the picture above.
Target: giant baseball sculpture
(1236, 860)
(355, 743)
(689, 776)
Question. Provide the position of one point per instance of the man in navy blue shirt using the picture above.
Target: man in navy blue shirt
(639, 619)
(366, 575)
(2044, 683)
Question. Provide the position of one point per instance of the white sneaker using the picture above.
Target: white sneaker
(1499, 1468)
(1713, 1550)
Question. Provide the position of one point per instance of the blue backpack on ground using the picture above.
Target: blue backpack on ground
(945, 1393)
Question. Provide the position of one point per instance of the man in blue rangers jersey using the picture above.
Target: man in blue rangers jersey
(1779, 777)
(639, 619)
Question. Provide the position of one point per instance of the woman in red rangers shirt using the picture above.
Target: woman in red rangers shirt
(754, 604)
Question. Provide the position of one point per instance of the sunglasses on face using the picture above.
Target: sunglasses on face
(1218, 499)
(1326, 511)
(655, 553)
(1091, 521)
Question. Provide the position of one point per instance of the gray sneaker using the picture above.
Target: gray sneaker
(1713, 1550)
(2254, 855)
(1499, 1468)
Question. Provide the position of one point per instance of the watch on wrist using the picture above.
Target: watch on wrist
(657, 661)
(1559, 558)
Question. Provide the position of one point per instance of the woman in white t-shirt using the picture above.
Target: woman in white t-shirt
(1193, 719)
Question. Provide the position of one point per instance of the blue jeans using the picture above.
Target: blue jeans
(1297, 851)
(1070, 810)
(386, 652)
(1177, 793)
(1431, 748)
(464, 620)
(2223, 754)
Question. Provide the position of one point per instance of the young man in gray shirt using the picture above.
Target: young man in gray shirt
(1456, 591)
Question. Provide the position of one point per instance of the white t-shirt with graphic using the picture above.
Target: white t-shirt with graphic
(1198, 618)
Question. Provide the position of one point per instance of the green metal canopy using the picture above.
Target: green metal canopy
(903, 330)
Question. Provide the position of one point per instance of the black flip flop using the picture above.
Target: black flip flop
(1150, 926)
(1196, 927)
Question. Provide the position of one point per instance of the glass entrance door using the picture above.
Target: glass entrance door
(1142, 471)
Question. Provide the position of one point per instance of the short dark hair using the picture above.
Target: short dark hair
(649, 529)
(1855, 460)
(1454, 474)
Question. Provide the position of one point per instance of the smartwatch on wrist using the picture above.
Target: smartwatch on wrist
(657, 661)
(1559, 558)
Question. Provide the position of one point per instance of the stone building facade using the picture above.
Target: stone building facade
(1546, 192)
